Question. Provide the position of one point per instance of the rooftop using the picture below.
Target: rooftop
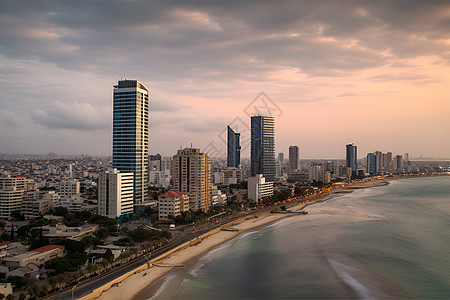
(172, 194)
(47, 248)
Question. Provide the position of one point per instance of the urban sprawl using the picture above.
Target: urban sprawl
(66, 219)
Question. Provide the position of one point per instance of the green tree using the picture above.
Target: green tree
(71, 246)
(102, 233)
(60, 211)
(89, 241)
(17, 281)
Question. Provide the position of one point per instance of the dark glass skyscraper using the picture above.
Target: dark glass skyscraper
(263, 147)
(293, 158)
(130, 134)
(233, 148)
(372, 162)
(352, 158)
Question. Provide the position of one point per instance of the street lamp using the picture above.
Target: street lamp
(148, 261)
(73, 289)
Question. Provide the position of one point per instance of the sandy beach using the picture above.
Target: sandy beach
(128, 287)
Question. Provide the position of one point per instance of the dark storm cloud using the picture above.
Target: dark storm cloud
(58, 60)
(181, 39)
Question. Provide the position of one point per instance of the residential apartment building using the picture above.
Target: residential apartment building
(172, 204)
(192, 175)
(115, 193)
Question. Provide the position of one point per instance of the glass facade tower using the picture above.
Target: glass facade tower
(263, 147)
(130, 134)
(233, 148)
(352, 158)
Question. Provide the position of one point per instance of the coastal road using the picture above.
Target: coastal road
(89, 285)
(86, 287)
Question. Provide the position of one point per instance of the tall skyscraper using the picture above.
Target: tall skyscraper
(351, 158)
(380, 165)
(263, 147)
(115, 193)
(192, 175)
(387, 161)
(130, 135)
(233, 148)
(372, 163)
(293, 158)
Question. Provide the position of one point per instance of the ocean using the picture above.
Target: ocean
(386, 242)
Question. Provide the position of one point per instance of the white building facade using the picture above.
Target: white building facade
(115, 193)
(258, 188)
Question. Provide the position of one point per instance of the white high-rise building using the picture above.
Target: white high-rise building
(115, 193)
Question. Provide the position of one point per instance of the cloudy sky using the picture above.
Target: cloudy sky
(374, 73)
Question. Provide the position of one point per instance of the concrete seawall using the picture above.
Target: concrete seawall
(97, 292)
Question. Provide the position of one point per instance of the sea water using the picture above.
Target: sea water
(383, 242)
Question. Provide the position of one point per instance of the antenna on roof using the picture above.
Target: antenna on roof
(191, 145)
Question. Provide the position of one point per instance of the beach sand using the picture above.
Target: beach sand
(131, 286)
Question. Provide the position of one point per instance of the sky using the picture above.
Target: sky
(372, 73)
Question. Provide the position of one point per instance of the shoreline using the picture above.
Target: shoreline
(131, 286)
(142, 278)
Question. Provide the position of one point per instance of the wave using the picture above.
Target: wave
(343, 272)
(167, 279)
(247, 234)
(276, 223)
(195, 270)
(258, 237)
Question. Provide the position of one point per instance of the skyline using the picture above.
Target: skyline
(372, 74)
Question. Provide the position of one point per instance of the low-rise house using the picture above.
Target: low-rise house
(10, 249)
(30, 270)
(38, 256)
(101, 249)
(16, 248)
(73, 233)
(3, 250)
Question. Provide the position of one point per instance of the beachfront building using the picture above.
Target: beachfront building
(233, 148)
(262, 149)
(171, 205)
(130, 136)
(192, 175)
(294, 158)
(352, 158)
(387, 161)
(258, 188)
(372, 163)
